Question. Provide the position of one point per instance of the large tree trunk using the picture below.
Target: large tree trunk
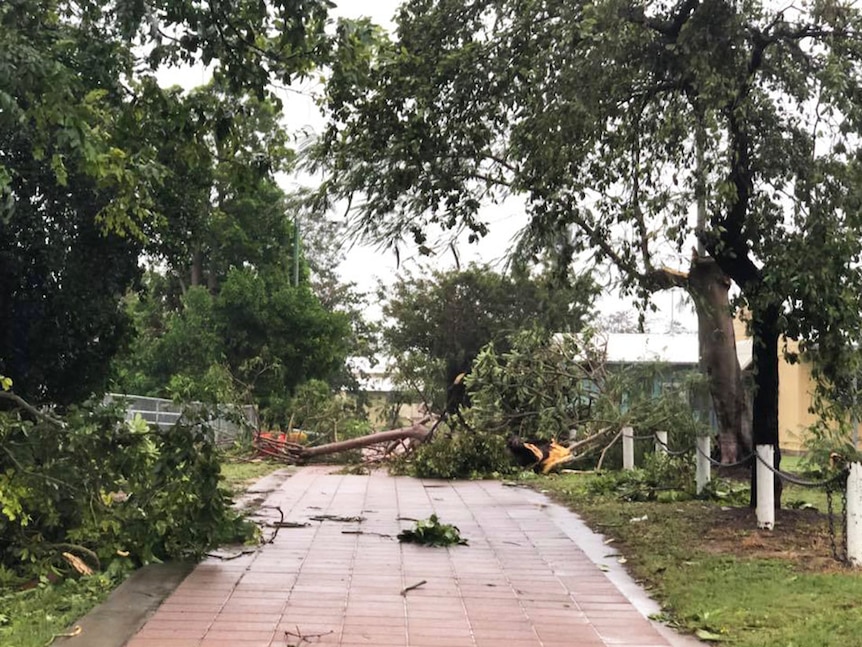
(295, 453)
(765, 420)
(197, 269)
(418, 432)
(708, 287)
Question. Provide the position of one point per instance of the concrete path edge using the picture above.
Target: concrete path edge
(127, 608)
(113, 622)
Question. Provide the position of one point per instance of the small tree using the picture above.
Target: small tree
(561, 388)
(438, 324)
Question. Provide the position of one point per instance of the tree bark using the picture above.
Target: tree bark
(709, 287)
(197, 268)
(417, 432)
(766, 334)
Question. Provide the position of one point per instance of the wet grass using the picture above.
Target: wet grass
(238, 474)
(32, 617)
(716, 574)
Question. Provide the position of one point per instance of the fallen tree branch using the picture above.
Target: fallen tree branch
(306, 638)
(413, 586)
(417, 432)
(607, 447)
(21, 403)
(295, 453)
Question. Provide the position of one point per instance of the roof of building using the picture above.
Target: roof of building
(649, 347)
(621, 348)
(675, 348)
(374, 379)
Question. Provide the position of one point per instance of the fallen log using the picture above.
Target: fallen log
(295, 453)
(415, 432)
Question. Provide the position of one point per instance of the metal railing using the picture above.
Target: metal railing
(164, 414)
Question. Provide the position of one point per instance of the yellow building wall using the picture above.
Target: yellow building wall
(795, 395)
(379, 412)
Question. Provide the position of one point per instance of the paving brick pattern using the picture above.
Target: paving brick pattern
(521, 581)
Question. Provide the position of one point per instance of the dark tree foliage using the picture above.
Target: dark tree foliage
(92, 150)
(438, 324)
(61, 284)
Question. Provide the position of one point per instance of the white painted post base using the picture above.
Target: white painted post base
(661, 442)
(628, 448)
(854, 514)
(765, 487)
(702, 474)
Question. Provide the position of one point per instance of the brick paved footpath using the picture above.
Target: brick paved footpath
(522, 581)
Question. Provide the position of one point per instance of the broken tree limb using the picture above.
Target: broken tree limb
(607, 447)
(405, 590)
(416, 432)
(295, 453)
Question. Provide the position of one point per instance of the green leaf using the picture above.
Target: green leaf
(710, 636)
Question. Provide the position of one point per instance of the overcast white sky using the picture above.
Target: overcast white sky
(364, 265)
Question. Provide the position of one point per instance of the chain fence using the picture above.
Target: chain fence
(832, 485)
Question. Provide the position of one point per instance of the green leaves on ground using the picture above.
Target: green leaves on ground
(461, 454)
(108, 491)
(430, 532)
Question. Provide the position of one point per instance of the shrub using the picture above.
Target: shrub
(103, 489)
(662, 478)
(462, 454)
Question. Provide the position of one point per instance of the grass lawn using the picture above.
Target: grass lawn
(30, 617)
(715, 573)
(238, 474)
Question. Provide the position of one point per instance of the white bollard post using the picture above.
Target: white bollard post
(661, 442)
(765, 487)
(702, 474)
(628, 448)
(854, 514)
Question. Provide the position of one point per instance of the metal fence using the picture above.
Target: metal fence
(164, 414)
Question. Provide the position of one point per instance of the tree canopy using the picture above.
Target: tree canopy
(437, 324)
(613, 119)
(99, 163)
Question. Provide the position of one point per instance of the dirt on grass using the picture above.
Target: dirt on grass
(800, 536)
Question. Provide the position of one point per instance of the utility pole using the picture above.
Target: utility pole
(700, 189)
(295, 251)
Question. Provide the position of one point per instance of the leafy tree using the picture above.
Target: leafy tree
(95, 156)
(555, 387)
(72, 70)
(219, 202)
(441, 322)
(61, 282)
(256, 339)
(233, 316)
(613, 120)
